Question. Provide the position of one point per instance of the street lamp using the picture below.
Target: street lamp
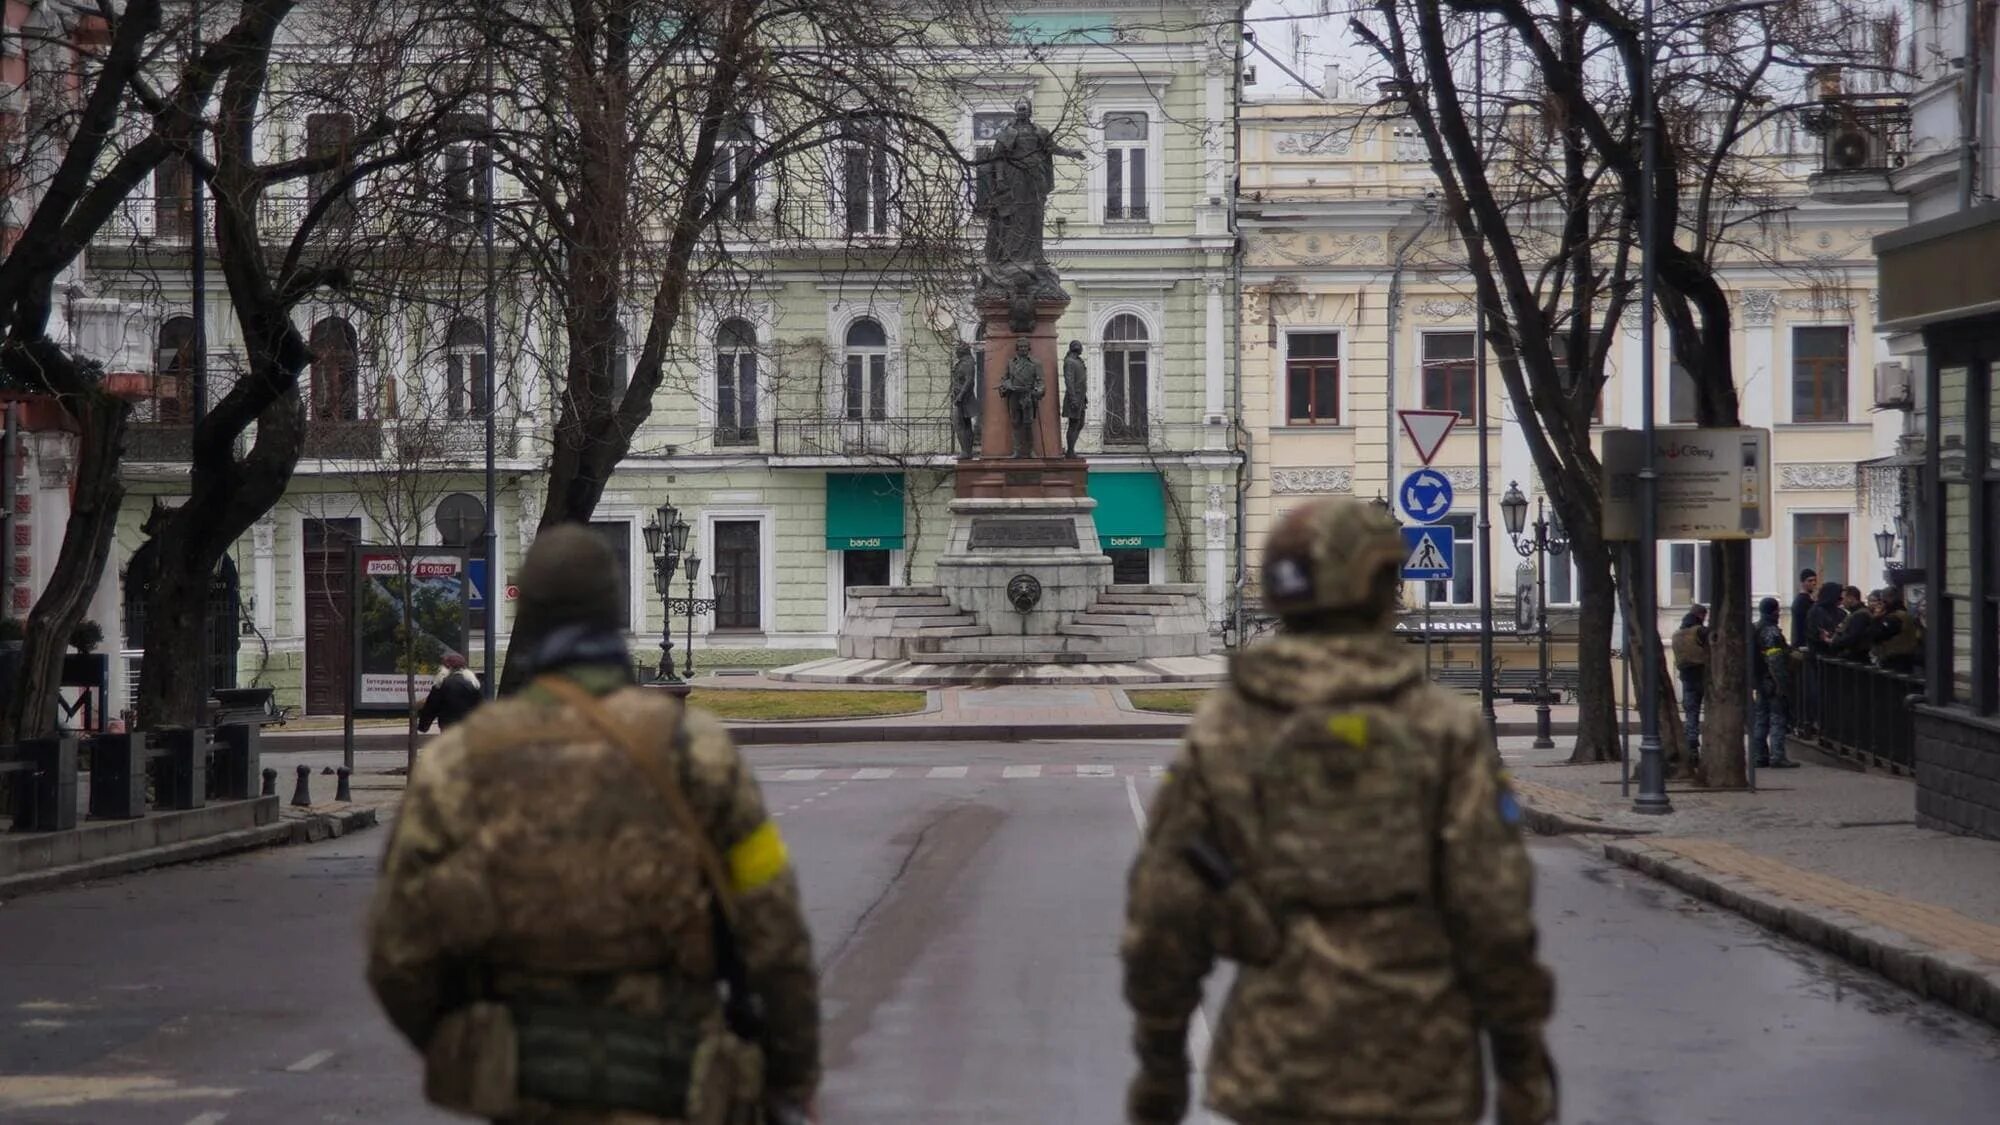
(666, 537)
(1885, 544)
(1546, 539)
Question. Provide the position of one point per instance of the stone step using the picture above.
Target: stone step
(1082, 628)
(895, 591)
(1184, 589)
(1123, 619)
(920, 612)
(1028, 658)
(1113, 598)
(965, 628)
(896, 602)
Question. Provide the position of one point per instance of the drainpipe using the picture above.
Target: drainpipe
(1426, 210)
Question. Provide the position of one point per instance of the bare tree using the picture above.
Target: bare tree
(1544, 181)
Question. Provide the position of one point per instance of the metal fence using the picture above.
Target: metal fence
(879, 437)
(1855, 710)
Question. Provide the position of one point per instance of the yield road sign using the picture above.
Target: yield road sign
(1426, 496)
(1426, 554)
(1427, 430)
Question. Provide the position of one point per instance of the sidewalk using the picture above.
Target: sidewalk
(1829, 856)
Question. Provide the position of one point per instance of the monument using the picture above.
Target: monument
(1022, 584)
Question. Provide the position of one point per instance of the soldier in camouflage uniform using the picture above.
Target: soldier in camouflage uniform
(543, 930)
(1339, 827)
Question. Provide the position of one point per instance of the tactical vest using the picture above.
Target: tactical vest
(1689, 652)
(1908, 640)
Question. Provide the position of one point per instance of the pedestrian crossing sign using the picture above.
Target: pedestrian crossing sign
(1427, 553)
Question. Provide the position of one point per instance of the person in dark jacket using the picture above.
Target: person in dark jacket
(1691, 661)
(452, 697)
(1769, 677)
(1856, 634)
(1899, 638)
(1824, 619)
(1802, 604)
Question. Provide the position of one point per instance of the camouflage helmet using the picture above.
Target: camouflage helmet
(1336, 557)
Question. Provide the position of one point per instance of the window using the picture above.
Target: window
(864, 179)
(1125, 380)
(1458, 590)
(985, 126)
(1562, 580)
(1312, 377)
(1819, 374)
(331, 135)
(465, 370)
(1130, 566)
(336, 371)
(866, 388)
(733, 181)
(862, 568)
(1819, 541)
(1680, 395)
(173, 371)
(468, 169)
(1125, 135)
(737, 574)
(736, 383)
(1450, 379)
(173, 200)
(617, 535)
(1687, 575)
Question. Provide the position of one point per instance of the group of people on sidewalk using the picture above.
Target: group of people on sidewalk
(1829, 622)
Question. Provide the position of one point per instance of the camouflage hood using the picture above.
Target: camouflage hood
(1294, 670)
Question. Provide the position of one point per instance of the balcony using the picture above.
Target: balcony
(1863, 141)
(343, 440)
(887, 438)
(419, 441)
(171, 442)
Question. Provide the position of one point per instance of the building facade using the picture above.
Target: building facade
(1356, 305)
(804, 431)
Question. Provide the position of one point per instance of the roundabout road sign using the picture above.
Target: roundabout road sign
(1426, 496)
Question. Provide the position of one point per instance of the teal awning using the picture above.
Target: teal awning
(864, 511)
(1131, 510)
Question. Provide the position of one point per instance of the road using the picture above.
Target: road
(968, 926)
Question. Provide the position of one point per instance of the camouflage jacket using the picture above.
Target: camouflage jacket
(532, 860)
(1364, 809)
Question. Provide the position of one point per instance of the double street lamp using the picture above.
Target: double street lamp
(1546, 538)
(667, 543)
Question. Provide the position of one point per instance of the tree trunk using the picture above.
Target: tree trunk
(1723, 725)
(1596, 696)
(96, 495)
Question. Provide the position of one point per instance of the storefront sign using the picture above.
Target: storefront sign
(1125, 542)
(426, 592)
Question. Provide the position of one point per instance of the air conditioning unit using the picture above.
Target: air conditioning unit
(1893, 389)
(1851, 146)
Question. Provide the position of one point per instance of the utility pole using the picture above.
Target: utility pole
(198, 306)
(1652, 798)
(1485, 456)
(490, 545)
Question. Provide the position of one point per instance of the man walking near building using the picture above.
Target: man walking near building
(1771, 676)
(1339, 827)
(583, 903)
(1691, 661)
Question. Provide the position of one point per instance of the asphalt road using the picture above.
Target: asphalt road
(968, 926)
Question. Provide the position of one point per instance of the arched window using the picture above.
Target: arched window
(735, 383)
(867, 383)
(465, 369)
(1125, 380)
(336, 371)
(173, 371)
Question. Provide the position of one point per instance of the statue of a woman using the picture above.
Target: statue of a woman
(1021, 173)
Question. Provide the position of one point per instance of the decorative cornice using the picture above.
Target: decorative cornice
(1760, 306)
(1331, 142)
(1312, 480)
(1462, 479)
(1444, 310)
(1823, 476)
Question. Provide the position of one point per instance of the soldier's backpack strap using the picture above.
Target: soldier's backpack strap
(661, 774)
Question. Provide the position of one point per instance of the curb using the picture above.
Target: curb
(310, 828)
(762, 734)
(1968, 983)
(1544, 823)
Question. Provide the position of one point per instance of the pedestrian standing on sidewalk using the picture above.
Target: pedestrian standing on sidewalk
(1691, 661)
(453, 695)
(585, 916)
(1856, 634)
(1899, 645)
(1822, 622)
(1802, 604)
(1771, 673)
(1339, 827)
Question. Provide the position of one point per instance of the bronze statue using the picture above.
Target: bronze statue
(1022, 388)
(964, 399)
(1019, 174)
(1076, 394)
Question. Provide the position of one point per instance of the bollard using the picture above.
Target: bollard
(302, 795)
(341, 792)
(270, 782)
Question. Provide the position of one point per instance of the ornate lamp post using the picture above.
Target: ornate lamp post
(1546, 539)
(666, 538)
(692, 605)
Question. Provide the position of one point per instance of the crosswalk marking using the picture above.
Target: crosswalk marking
(873, 774)
(802, 775)
(1017, 772)
(941, 773)
(1095, 771)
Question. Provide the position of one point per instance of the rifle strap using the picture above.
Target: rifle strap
(660, 772)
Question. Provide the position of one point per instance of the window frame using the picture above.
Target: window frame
(1819, 561)
(1425, 366)
(1338, 360)
(601, 524)
(1845, 383)
(1701, 577)
(729, 429)
(869, 363)
(465, 369)
(1133, 195)
(881, 175)
(1098, 166)
(178, 374)
(735, 142)
(341, 210)
(1127, 430)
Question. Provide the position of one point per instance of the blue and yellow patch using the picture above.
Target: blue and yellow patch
(1510, 808)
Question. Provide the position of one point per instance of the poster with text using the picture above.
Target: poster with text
(411, 612)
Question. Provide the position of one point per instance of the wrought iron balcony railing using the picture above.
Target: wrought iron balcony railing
(869, 437)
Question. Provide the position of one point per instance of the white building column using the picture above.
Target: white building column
(1212, 210)
(1757, 388)
(1215, 521)
(1215, 367)
(264, 574)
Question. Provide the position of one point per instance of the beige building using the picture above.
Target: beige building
(1355, 304)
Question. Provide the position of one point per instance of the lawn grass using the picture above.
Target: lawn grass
(750, 703)
(1170, 700)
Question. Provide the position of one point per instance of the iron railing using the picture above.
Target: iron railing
(1855, 710)
(343, 440)
(874, 437)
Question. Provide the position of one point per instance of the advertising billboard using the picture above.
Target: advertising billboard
(410, 612)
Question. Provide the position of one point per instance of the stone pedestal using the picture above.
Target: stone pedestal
(996, 472)
(1052, 540)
